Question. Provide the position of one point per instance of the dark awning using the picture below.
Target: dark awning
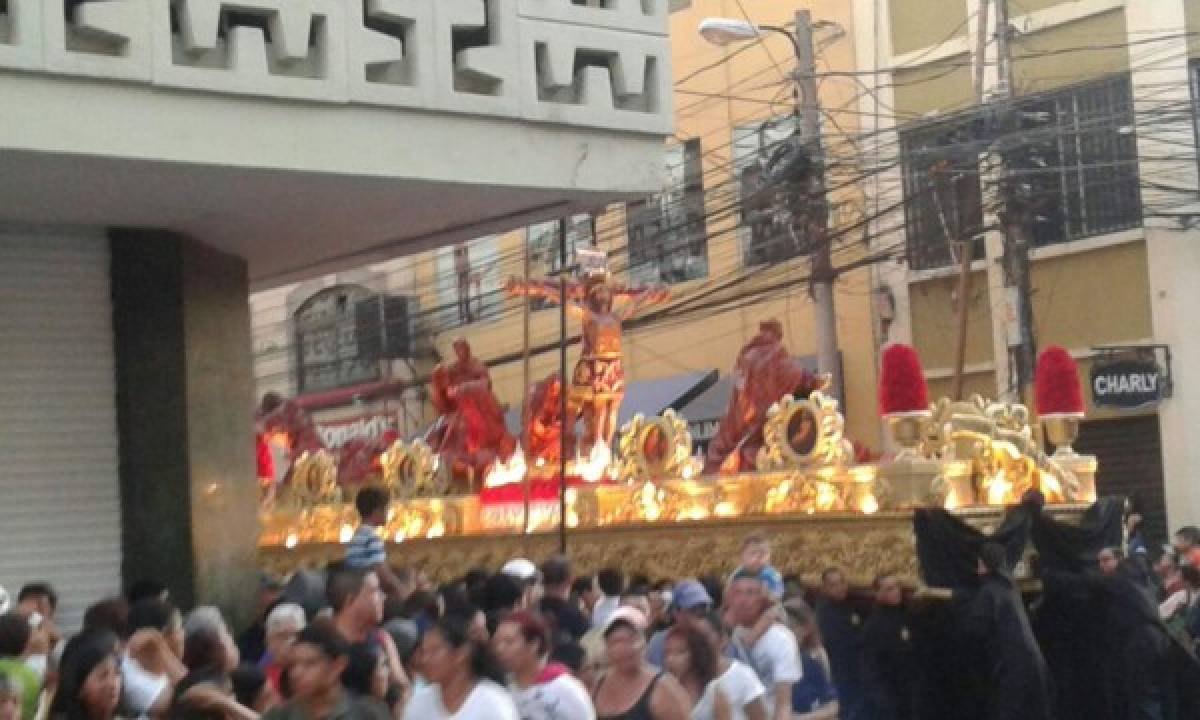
(654, 397)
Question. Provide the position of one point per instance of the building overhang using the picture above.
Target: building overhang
(307, 137)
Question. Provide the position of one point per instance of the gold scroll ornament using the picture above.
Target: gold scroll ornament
(801, 434)
(412, 470)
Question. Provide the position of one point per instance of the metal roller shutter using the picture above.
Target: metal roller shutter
(1130, 453)
(60, 515)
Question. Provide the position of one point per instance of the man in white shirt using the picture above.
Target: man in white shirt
(774, 656)
(612, 584)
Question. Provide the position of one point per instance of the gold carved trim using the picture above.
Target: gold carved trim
(800, 434)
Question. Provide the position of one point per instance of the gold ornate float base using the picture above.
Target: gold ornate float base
(863, 545)
(656, 516)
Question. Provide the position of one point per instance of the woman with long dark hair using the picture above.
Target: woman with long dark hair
(734, 681)
(541, 689)
(691, 659)
(813, 697)
(89, 685)
(465, 681)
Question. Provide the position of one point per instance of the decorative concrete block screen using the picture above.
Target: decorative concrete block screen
(602, 63)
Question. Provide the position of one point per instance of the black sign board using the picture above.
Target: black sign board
(1128, 383)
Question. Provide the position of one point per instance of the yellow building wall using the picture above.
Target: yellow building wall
(1070, 53)
(1111, 283)
(917, 24)
(937, 88)
(981, 383)
(1029, 6)
(1192, 10)
(750, 86)
(1111, 279)
(935, 321)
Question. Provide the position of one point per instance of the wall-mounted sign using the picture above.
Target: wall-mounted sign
(1128, 383)
(337, 433)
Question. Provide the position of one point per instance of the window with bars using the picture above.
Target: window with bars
(764, 230)
(1076, 163)
(1072, 161)
(668, 239)
(943, 199)
(330, 348)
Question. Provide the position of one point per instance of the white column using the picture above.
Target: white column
(873, 50)
(1160, 78)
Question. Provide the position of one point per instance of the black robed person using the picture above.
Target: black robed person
(1111, 656)
(1134, 670)
(841, 625)
(889, 665)
(993, 617)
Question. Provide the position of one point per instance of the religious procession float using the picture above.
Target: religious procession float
(471, 494)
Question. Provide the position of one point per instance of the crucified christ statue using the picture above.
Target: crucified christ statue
(598, 383)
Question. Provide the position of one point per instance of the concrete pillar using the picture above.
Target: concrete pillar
(185, 396)
(1161, 79)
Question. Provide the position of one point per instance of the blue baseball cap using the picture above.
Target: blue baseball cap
(689, 594)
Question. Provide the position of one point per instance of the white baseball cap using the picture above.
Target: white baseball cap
(520, 569)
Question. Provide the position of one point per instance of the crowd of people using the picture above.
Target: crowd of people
(365, 640)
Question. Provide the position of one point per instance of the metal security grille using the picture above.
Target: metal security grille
(60, 513)
(1079, 161)
(764, 224)
(1072, 159)
(1130, 454)
(942, 191)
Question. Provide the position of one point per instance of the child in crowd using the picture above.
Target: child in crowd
(366, 550)
(756, 559)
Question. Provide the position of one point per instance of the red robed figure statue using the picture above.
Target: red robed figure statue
(470, 436)
(763, 374)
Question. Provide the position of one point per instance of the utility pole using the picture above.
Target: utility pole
(1015, 216)
(564, 385)
(526, 306)
(817, 214)
(966, 244)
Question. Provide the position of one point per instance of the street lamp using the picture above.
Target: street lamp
(726, 31)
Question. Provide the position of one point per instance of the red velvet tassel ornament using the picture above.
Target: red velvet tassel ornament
(902, 386)
(1057, 383)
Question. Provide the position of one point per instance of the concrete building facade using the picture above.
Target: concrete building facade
(1105, 100)
(160, 158)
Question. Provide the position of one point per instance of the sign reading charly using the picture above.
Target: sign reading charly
(1127, 384)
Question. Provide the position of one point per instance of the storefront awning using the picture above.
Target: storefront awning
(347, 395)
(654, 397)
(710, 404)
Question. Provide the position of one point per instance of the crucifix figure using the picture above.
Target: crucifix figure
(598, 382)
